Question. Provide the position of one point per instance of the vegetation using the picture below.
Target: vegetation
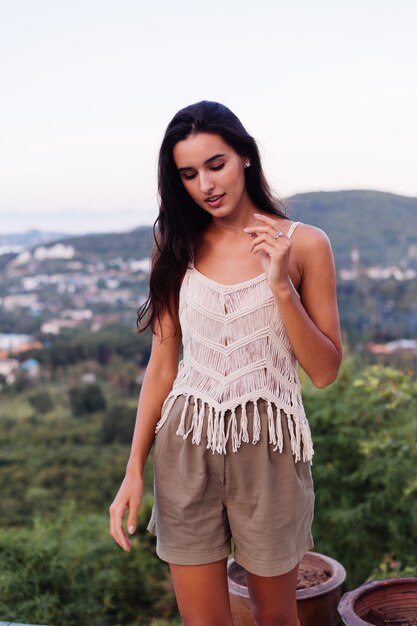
(136, 244)
(64, 442)
(377, 311)
(365, 469)
(381, 225)
(58, 474)
(118, 423)
(50, 458)
(41, 402)
(86, 398)
(82, 345)
(67, 571)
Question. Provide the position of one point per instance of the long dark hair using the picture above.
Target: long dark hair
(181, 222)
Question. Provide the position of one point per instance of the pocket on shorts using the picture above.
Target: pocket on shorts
(181, 457)
(171, 422)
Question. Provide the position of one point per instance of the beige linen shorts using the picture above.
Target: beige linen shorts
(256, 500)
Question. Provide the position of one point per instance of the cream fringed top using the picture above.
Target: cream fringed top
(236, 351)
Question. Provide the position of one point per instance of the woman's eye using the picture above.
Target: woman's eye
(215, 168)
(188, 176)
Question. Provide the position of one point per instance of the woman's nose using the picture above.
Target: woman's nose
(206, 182)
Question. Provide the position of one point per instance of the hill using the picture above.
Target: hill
(135, 244)
(381, 225)
(29, 238)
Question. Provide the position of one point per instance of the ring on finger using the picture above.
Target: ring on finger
(279, 234)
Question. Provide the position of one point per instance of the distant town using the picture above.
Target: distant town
(57, 291)
(53, 288)
(400, 272)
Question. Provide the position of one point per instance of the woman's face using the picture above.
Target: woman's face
(212, 173)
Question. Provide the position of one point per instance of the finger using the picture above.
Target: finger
(274, 231)
(119, 536)
(267, 220)
(116, 528)
(268, 238)
(258, 241)
(122, 539)
(116, 512)
(132, 518)
(256, 229)
(270, 235)
(268, 248)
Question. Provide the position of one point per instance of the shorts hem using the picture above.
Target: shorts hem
(189, 557)
(272, 568)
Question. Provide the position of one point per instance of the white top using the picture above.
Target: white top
(236, 350)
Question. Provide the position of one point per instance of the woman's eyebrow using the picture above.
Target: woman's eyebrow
(213, 158)
(206, 162)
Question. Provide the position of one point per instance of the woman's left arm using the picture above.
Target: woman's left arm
(310, 317)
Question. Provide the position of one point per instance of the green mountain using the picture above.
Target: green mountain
(381, 225)
(135, 244)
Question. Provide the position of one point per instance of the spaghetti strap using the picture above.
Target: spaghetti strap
(292, 229)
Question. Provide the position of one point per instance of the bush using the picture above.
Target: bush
(365, 468)
(71, 573)
(41, 402)
(86, 398)
(391, 568)
(56, 458)
(118, 424)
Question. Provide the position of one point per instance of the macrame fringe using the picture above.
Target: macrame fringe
(212, 421)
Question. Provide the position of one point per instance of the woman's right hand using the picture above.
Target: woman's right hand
(128, 498)
(158, 380)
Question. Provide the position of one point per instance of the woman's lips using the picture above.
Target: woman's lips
(215, 201)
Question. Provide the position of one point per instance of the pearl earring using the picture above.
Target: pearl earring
(247, 164)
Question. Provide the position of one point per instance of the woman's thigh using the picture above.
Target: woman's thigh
(273, 598)
(202, 594)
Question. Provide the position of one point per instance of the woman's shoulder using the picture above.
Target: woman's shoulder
(311, 248)
(308, 235)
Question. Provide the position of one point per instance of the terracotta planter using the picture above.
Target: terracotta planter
(380, 603)
(316, 606)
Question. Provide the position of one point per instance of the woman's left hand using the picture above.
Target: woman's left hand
(274, 248)
(310, 318)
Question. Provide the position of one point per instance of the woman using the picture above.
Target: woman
(250, 294)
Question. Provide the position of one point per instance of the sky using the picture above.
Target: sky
(326, 87)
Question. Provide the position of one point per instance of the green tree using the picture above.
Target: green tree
(69, 572)
(41, 402)
(365, 467)
(118, 424)
(86, 398)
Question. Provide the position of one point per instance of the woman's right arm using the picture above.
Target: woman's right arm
(157, 383)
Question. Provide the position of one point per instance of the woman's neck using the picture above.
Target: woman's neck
(238, 224)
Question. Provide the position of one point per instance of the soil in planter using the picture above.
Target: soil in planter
(307, 577)
(377, 617)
